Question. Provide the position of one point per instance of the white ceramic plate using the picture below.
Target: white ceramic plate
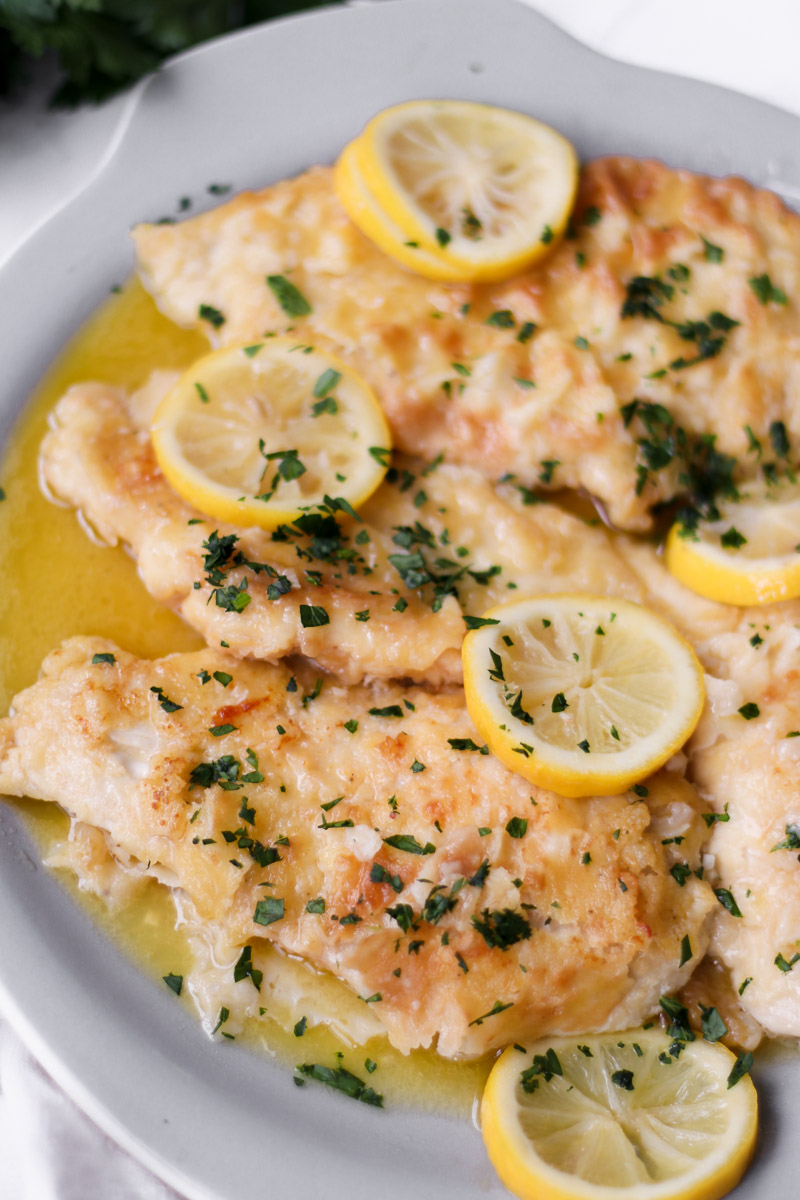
(212, 1119)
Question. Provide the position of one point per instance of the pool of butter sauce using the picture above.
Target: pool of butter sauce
(57, 583)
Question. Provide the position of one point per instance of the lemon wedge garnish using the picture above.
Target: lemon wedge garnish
(751, 555)
(255, 434)
(485, 191)
(623, 1119)
(585, 695)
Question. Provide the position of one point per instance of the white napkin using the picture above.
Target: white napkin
(49, 1150)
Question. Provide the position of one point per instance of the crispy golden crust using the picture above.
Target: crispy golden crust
(404, 332)
(597, 940)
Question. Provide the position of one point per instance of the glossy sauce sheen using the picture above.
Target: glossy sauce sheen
(44, 550)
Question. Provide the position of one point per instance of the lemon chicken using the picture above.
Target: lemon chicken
(389, 592)
(671, 288)
(365, 830)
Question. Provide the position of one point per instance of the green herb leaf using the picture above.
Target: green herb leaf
(501, 928)
(290, 298)
(517, 827)
(268, 911)
(343, 1081)
(744, 1061)
(206, 312)
(712, 253)
(727, 901)
(749, 711)
(313, 615)
(408, 843)
(712, 1024)
(765, 290)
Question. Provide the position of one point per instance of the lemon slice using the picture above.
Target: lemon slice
(254, 435)
(487, 189)
(365, 212)
(623, 1119)
(751, 555)
(585, 695)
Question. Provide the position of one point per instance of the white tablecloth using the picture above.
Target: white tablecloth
(48, 1149)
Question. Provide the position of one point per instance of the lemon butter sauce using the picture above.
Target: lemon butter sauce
(59, 583)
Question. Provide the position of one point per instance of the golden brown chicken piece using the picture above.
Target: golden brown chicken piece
(433, 544)
(676, 289)
(364, 830)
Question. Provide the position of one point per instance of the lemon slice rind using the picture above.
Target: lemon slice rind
(632, 693)
(680, 1134)
(499, 183)
(764, 569)
(369, 217)
(207, 429)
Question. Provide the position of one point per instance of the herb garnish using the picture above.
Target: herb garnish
(502, 928)
(343, 1081)
(207, 312)
(290, 298)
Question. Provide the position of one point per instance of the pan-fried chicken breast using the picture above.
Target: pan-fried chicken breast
(363, 830)
(676, 289)
(477, 544)
(745, 760)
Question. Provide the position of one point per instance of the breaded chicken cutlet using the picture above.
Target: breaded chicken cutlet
(363, 829)
(673, 290)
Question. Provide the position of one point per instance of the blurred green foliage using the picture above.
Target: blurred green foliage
(105, 45)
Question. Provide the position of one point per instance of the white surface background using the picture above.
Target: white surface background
(48, 1150)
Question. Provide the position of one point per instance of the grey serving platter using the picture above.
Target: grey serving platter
(214, 1120)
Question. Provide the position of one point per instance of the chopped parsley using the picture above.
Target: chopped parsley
(169, 706)
(765, 290)
(496, 1008)
(174, 983)
(268, 911)
(478, 622)
(727, 901)
(732, 539)
(313, 615)
(467, 744)
(244, 969)
(97, 659)
(408, 843)
(502, 319)
(290, 298)
(343, 1081)
(712, 1024)
(206, 312)
(712, 253)
(501, 928)
(749, 711)
(744, 1061)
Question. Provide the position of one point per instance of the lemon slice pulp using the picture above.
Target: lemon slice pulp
(585, 695)
(484, 190)
(254, 435)
(751, 555)
(624, 1118)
